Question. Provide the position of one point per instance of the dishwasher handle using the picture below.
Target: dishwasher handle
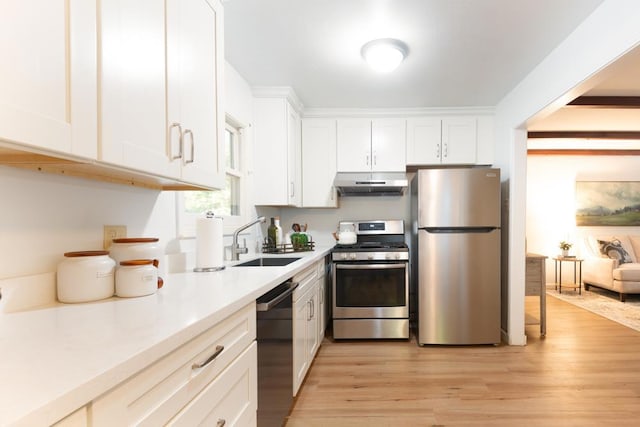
(268, 305)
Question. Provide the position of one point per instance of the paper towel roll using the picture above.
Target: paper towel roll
(209, 244)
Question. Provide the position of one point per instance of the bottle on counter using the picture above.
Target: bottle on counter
(278, 231)
(272, 234)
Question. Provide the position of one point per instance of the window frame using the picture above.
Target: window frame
(186, 222)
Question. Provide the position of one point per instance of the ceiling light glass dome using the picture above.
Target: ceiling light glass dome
(384, 55)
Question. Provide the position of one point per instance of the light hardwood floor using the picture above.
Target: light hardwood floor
(586, 372)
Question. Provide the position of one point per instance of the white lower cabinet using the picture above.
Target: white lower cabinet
(211, 380)
(305, 324)
(323, 303)
(229, 400)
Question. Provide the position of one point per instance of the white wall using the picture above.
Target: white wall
(551, 182)
(45, 215)
(322, 222)
(609, 32)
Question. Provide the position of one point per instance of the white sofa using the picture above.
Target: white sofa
(611, 262)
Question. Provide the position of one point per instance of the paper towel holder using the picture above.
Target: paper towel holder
(209, 214)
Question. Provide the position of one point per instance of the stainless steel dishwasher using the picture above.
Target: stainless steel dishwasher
(275, 354)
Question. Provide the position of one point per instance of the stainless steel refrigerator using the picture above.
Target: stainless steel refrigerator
(456, 255)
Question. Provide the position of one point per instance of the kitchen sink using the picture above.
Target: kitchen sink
(267, 262)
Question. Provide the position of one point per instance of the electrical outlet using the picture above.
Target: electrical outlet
(113, 232)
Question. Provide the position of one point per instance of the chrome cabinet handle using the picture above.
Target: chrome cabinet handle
(190, 133)
(180, 142)
(446, 150)
(215, 354)
(375, 158)
(367, 156)
(437, 150)
(221, 422)
(313, 309)
(293, 187)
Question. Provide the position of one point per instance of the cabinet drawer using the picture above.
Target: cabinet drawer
(305, 279)
(157, 393)
(229, 400)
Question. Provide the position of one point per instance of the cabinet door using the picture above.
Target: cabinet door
(271, 156)
(194, 43)
(424, 137)
(300, 360)
(294, 148)
(48, 75)
(318, 163)
(313, 325)
(485, 141)
(132, 85)
(388, 145)
(459, 140)
(354, 145)
(277, 153)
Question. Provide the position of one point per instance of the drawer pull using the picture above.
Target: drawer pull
(221, 422)
(215, 354)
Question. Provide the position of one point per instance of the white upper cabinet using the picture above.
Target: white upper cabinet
(388, 142)
(48, 75)
(133, 85)
(194, 68)
(161, 70)
(354, 145)
(277, 145)
(435, 140)
(365, 145)
(318, 163)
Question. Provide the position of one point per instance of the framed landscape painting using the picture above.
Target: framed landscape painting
(602, 203)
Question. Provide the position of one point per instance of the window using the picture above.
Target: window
(226, 202)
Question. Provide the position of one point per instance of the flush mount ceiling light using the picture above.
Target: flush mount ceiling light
(384, 55)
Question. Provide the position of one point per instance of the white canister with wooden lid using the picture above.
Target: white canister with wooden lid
(137, 277)
(85, 276)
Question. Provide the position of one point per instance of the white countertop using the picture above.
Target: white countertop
(55, 360)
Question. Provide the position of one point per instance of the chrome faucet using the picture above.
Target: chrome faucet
(236, 250)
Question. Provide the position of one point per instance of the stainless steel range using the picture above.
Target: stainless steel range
(371, 282)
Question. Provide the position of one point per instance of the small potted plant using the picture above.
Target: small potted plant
(565, 246)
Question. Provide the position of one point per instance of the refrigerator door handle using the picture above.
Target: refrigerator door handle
(444, 230)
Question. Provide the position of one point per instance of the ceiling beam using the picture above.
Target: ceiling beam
(584, 134)
(606, 102)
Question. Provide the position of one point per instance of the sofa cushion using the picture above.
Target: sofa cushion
(617, 248)
(635, 244)
(628, 272)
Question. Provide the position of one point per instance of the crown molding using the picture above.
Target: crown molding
(286, 92)
(291, 96)
(397, 112)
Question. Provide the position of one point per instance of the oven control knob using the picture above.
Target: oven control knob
(352, 256)
(343, 255)
(397, 256)
(370, 256)
(388, 256)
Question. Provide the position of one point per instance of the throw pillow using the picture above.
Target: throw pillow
(614, 250)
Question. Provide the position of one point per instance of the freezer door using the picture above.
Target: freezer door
(459, 287)
(467, 197)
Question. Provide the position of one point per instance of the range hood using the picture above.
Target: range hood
(370, 184)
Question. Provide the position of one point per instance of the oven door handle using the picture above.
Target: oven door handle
(402, 265)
